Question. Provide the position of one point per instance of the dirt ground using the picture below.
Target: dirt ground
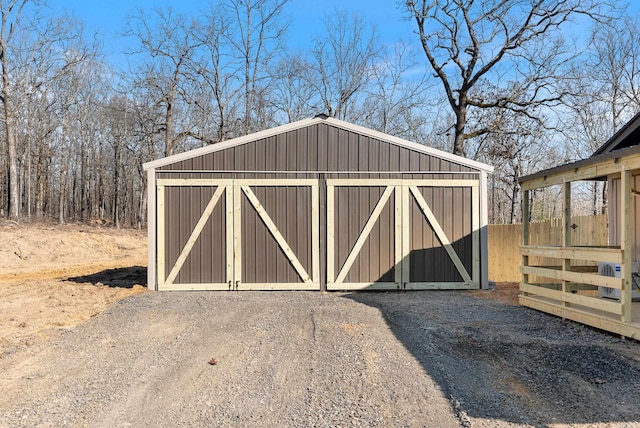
(56, 276)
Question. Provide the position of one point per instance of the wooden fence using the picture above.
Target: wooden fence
(505, 241)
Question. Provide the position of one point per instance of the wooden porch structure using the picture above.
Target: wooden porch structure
(566, 288)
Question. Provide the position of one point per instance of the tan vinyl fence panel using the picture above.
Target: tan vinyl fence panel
(505, 241)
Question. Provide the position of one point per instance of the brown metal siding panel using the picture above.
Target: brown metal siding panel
(240, 158)
(229, 157)
(261, 237)
(250, 224)
(386, 250)
(260, 155)
(190, 200)
(292, 156)
(451, 207)
(414, 165)
(290, 210)
(385, 157)
(214, 257)
(338, 152)
(341, 226)
(404, 160)
(424, 165)
(344, 150)
(206, 263)
(362, 268)
(368, 271)
(320, 140)
(189, 205)
(374, 156)
(354, 205)
(302, 148)
(303, 231)
(171, 233)
(394, 158)
(353, 152)
(363, 147)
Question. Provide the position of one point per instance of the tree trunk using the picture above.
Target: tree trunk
(461, 121)
(63, 173)
(83, 182)
(116, 184)
(514, 197)
(168, 136)
(14, 209)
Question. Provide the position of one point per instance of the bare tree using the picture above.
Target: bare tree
(220, 83)
(342, 60)
(168, 51)
(604, 95)
(497, 54)
(608, 82)
(292, 88)
(10, 22)
(396, 99)
(255, 37)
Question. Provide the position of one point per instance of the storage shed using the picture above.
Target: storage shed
(318, 204)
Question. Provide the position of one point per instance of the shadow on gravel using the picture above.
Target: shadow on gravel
(125, 277)
(510, 363)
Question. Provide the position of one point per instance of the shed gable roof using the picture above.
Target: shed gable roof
(309, 122)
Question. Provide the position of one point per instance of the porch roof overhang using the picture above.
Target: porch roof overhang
(593, 168)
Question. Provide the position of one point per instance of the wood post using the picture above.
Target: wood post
(152, 251)
(475, 236)
(484, 231)
(626, 223)
(161, 241)
(406, 236)
(229, 236)
(322, 195)
(331, 260)
(398, 251)
(525, 233)
(566, 234)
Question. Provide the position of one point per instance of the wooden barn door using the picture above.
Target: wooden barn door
(364, 232)
(276, 235)
(402, 234)
(195, 239)
(238, 234)
(441, 234)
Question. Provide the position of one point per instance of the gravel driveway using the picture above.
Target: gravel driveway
(433, 359)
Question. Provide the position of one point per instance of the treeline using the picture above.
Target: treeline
(506, 87)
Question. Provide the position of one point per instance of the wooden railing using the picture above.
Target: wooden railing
(572, 280)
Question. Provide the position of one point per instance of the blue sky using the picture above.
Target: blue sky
(109, 17)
